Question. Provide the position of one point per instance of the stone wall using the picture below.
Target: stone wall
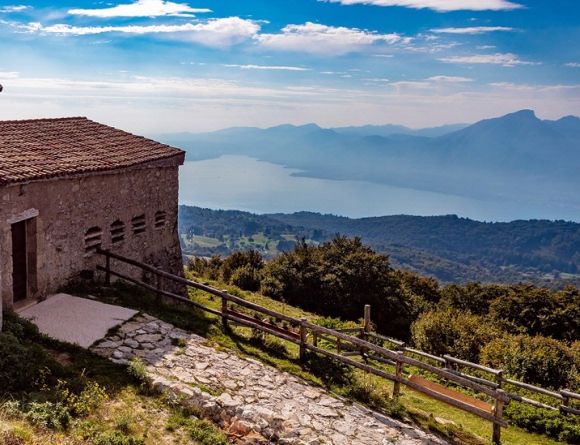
(65, 213)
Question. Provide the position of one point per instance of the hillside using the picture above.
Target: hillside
(449, 248)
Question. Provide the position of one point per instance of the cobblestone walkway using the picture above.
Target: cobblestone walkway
(254, 402)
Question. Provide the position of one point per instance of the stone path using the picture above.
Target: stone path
(254, 402)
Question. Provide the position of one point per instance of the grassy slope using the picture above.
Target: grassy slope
(464, 427)
(128, 408)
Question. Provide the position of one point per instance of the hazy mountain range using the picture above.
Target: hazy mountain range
(516, 157)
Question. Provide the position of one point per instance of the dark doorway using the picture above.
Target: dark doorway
(19, 262)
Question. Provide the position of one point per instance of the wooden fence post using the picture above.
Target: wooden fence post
(498, 414)
(107, 268)
(565, 402)
(303, 339)
(399, 374)
(224, 311)
(366, 328)
(367, 321)
(158, 287)
(499, 379)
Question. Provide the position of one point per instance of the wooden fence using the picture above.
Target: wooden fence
(363, 349)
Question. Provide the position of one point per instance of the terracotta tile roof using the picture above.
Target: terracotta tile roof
(47, 148)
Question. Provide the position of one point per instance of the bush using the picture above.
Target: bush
(541, 421)
(20, 328)
(450, 331)
(116, 438)
(48, 415)
(250, 260)
(21, 365)
(205, 433)
(537, 360)
(246, 278)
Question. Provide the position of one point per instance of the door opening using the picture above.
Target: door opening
(19, 262)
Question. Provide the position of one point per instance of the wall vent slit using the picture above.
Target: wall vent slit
(117, 232)
(138, 224)
(160, 219)
(93, 239)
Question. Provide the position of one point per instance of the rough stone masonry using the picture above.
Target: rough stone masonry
(255, 403)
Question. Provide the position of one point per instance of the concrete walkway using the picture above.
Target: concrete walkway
(76, 320)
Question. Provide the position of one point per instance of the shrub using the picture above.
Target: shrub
(16, 358)
(541, 421)
(116, 438)
(48, 415)
(538, 360)
(249, 259)
(246, 277)
(450, 331)
(206, 433)
(138, 370)
(20, 328)
(84, 403)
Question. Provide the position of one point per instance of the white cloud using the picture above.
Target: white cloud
(573, 65)
(268, 67)
(13, 8)
(215, 32)
(322, 39)
(142, 8)
(9, 75)
(438, 5)
(505, 59)
(473, 30)
(524, 87)
(450, 79)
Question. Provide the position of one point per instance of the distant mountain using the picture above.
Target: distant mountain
(390, 130)
(513, 158)
(449, 248)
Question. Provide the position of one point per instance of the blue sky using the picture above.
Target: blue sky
(157, 66)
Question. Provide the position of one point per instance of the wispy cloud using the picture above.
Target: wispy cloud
(9, 75)
(504, 59)
(268, 67)
(13, 8)
(449, 79)
(214, 32)
(438, 5)
(572, 64)
(142, 8)
(322, 39)
(473, 30)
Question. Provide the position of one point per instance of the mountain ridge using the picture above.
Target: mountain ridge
(448, 247)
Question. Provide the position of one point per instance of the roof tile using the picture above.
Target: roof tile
(46, 148)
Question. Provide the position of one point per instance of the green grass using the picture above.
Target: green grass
(105, 404)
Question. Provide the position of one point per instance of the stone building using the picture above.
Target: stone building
(69, 186)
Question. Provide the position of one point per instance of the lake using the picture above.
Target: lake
(244, 183)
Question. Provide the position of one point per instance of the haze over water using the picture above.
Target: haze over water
(243, 183)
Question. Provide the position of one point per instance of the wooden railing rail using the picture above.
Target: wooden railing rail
(307, 335)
